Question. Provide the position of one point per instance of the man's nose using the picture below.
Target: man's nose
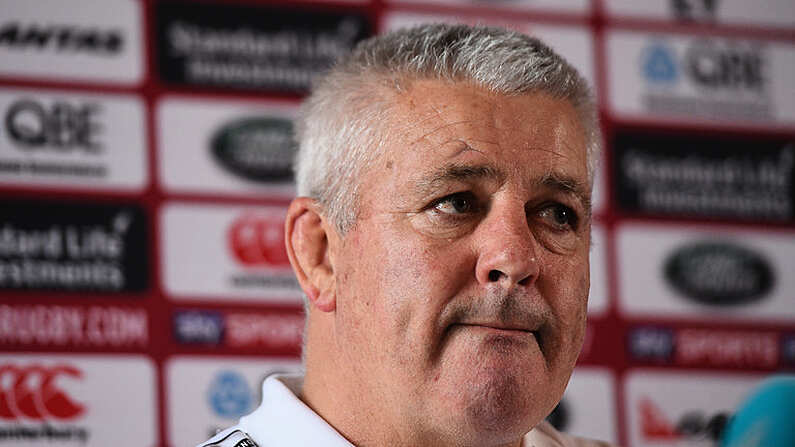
(507, 249)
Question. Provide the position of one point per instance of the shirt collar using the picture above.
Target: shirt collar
(283, 419)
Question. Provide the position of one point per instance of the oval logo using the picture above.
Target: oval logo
(258, 149)
(719, 273)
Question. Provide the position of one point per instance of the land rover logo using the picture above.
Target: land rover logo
(719, 273)
(258, 149)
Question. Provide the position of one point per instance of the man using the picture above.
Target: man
(441, 236)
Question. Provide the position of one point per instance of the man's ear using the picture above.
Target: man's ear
(307, 243)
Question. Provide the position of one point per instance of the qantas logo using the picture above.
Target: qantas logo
(258, 240)
(693, 425)
(31, 393)
(61, 38)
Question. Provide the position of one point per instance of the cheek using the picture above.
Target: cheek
(566, 285)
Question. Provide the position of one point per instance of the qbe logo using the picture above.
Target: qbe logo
(725, 79)
(65, 139)
(33, 393)
(659, 64)
(680, 77)
(709, 64)
(62, 125)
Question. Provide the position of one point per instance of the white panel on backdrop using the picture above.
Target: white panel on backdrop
(226, 252)
(191, 135)
(701, 273)
(599, 193)
(76, 40)
(589, 406)
(569, 6)
(574, 43)
(78, 400)
(671, 409)
(779, 13)
(676, 77)
(83, 141)
(206, 394)
(598, 298)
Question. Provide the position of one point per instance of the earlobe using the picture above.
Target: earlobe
(306, 239)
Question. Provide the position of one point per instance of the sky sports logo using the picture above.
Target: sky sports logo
(32, 398)
(277, 331)
(706, 347)
(198, 327)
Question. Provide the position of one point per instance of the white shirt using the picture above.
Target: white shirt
(283, 420)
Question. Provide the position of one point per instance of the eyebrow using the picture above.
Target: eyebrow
(458, 173)
(568, 185)
(554, 180)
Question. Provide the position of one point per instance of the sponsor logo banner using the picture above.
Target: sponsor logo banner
(715, 177)
(693, 273)
(66, 140)
(574, 42)
(74, 247)
(198, 327)
(262, 330)
(712, 79)
(569, 6)
(206, 394)
(705, 347)
(230, 253)
(87, 41)
(681, 409)
(588, 407)
(71, 326)
(778, 13)
(64, 400)
(237, 147)
(264, 48)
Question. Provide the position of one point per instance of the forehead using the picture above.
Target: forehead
(436, 122)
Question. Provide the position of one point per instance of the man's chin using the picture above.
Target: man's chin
(493, 383)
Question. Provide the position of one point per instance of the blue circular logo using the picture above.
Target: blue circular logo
(229, 395)
(659, 64)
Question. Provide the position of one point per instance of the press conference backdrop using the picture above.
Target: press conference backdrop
(145, 171)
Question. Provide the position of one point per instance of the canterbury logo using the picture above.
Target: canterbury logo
(31, 392)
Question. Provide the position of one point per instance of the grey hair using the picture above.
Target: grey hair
(341, 124)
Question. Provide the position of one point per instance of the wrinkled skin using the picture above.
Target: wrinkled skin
(459, 295)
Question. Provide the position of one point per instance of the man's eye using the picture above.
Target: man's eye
(459, 203)
(560, 216)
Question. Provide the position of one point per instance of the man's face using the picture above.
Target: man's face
(462, 288)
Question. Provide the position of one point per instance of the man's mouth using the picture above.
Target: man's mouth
(496, 329)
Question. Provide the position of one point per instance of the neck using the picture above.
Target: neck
(334, 389)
